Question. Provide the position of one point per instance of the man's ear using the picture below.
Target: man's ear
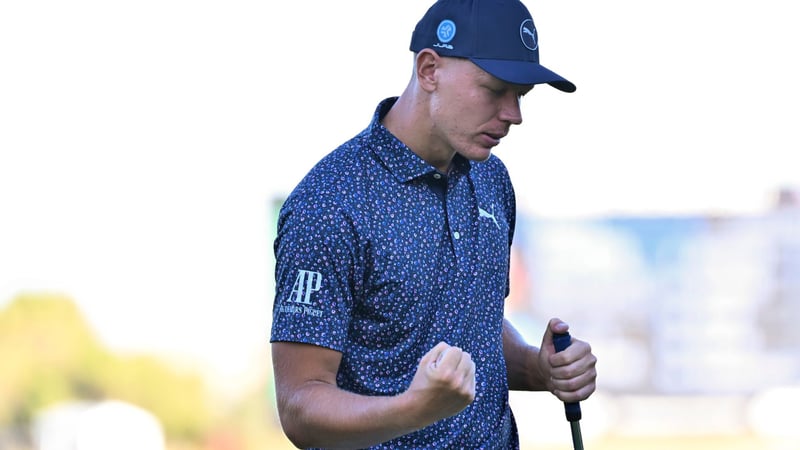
(427, 63)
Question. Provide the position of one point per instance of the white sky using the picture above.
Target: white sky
(141, 143)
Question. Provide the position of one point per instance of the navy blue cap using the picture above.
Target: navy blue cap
(497, 35)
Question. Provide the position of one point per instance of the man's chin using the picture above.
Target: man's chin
(478, 156)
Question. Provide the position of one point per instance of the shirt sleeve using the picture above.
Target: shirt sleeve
(314, 253)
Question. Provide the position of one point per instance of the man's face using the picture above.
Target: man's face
(472, 110)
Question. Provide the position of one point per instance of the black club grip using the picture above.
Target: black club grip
(572, 409)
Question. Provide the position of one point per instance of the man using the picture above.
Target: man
(393, 258)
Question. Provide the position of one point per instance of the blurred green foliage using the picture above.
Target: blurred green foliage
(49, 354)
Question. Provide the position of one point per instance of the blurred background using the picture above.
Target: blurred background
(146, 146)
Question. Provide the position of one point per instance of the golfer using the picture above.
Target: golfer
(392, 257)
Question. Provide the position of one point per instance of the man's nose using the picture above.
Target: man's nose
(511, 112)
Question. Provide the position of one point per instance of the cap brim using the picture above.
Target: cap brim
(524, 72)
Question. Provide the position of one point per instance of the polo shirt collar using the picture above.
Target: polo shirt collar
(396, 156)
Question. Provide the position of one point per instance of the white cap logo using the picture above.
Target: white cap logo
(527, 32)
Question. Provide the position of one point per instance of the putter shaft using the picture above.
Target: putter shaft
(577, 439)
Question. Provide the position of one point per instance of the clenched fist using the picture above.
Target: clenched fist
(444, 383)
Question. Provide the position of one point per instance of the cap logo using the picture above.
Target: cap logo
(527, 32)
(446, 31)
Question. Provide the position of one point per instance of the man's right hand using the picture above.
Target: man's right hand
(444, 383)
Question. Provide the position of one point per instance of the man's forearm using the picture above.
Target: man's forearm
(322, 415)
(521, 361)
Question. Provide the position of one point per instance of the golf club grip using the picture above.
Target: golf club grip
(572, 409)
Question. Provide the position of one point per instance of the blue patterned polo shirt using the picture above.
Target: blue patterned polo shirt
(380, 257)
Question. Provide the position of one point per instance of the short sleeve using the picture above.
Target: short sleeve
(313, 272)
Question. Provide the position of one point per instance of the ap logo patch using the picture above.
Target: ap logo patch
(305, 284)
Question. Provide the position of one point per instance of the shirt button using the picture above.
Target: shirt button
(457, 235)
(437, 176)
